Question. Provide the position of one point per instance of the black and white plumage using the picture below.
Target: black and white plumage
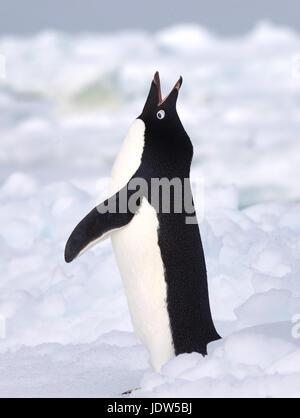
(160, 255)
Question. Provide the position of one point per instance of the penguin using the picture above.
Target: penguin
(159, 253)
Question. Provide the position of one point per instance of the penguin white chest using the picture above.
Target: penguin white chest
(129, 157)
(139, 259)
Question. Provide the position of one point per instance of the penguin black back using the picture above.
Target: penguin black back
(168, 154)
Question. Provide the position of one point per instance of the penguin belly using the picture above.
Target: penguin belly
(140, 263)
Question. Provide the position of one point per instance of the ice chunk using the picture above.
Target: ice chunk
(19, 185)
(271, 306)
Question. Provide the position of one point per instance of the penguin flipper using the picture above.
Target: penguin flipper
(97, 226)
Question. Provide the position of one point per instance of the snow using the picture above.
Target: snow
(65, 106)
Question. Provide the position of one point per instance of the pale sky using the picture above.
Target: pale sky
(226, 17)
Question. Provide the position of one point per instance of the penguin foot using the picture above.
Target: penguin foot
(128, 392)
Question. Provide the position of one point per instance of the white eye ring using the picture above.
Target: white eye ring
(160, 114)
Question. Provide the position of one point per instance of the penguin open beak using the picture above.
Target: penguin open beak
(156, 81)
(155, 99)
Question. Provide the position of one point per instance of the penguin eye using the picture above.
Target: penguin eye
(160, 114)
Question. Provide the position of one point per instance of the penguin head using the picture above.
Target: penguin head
(160, 115)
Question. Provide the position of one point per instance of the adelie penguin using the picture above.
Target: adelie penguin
(159, 253)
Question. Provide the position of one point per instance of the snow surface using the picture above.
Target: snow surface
(65, 106)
